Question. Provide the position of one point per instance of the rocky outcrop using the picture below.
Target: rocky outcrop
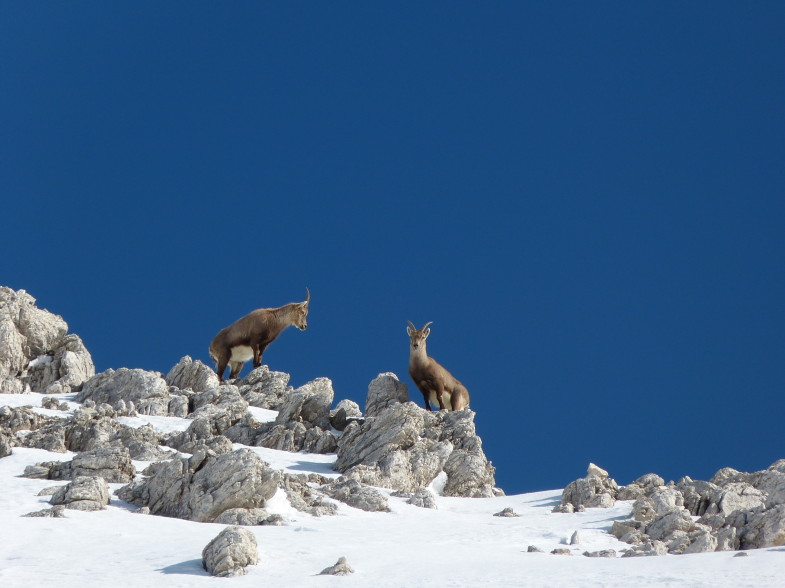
(264, 388)
(192, 375)
(341, 568)
(302, 424)
(204, 486)
(84, 493)
(36, 352)
(596, 490)
(112, 464)
(351, 492)
(230, 552)
(403, 447)
(735, 510)
(128, 390)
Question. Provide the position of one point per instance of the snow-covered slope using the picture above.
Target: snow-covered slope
(458, 544)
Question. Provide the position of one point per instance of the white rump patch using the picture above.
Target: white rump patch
(241, 353)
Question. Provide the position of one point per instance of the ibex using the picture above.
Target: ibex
(248, 337)
(438, 386)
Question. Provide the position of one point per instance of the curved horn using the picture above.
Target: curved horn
(307, 295)
(412, 325)
(425, 326)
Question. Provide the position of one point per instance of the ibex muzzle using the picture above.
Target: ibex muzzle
(248, 337)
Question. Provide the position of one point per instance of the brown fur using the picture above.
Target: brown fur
(255, 330)
(432, 379)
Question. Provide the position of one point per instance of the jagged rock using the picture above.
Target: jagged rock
(601, 553)
(5, 445)
(35, 351)
(772, 483)
(344, 412)
(663, 527)
(351, 492)
(341, 568)
(54, 404)
(649, 548)
(202, 433)
(423, 498)
(304, 498)
(596, 490)
(506, 512)
(147, 391)
(621, 528)
(112, 464)
(230, 552)
(264, 388)
(739, 496)
(563, 508)
(223, 406)
(203, 486)
(575, 539)
(534, 549)
(384, 391)
(84, 493)
(727, 475)
(310, 404)
(192, 375)
(665, 499)
(764, 529)
(249, 517)
(643, 510)
(56, 512)
(405, 447)
(699, 497)
(561, 551)
(90, 429)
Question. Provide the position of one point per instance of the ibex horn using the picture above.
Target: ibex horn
(307, 295)
(425, 326)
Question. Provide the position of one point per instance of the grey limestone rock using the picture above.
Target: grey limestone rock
(5, 445)
(112, 464)
(84, 493)
(351, 492)
(234, 549)
(344, 412)
(264, 388)
(192, 375)
(305, 498)
(341, 568)
(601, 553)
(310, 404)
(384, 391)
(147, 391)
(249, 517)
(506, 512)
(202, 487)
(423, 498)
(596, 490)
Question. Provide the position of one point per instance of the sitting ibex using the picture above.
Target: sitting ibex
(248, 337)
(438, 386)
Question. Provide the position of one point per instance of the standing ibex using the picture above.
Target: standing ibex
(249, 336)
(438, 386)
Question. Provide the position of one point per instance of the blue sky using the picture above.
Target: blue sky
(585, 198)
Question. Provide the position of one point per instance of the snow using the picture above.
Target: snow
(460, 544)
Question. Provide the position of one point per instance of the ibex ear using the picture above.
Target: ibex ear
(409, 331)
(426, 332)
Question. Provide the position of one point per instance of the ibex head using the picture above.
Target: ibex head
(417, 337)
(300, 312)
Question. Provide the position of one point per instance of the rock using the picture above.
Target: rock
(84, 493)
(663, 527)
(223, 406)
(699, 497)
(649, 548)
(423, 498)
(264, 388)
(534, 549)
(621, 528)
(341, 568)
(202, 487)
(192, 375)
(563, 508)
(112, 464)
(665, 499)
(310, 404)
(228, 555)
(764, 529)
(248, 517)
(405, 447)
(740, 496)
(304, 498)
(345, 411)
(575, 539)
(56, 512)
(507, 512)
(351, 492)
(601, 553)
(561, 551)
(5, 445)
(384, 391)
(596, 490)
(147, 391)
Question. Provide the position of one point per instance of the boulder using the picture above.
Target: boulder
(147, 391)
(233, 550)
(264, 388)
(84, 493)
(351, 492)
(112, 464)
(596, 490)
(344, 412)
(341, 568)
(192, 375)
(384, 391)
(202, 487)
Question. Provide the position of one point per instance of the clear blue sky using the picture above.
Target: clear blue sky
(587, 200)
